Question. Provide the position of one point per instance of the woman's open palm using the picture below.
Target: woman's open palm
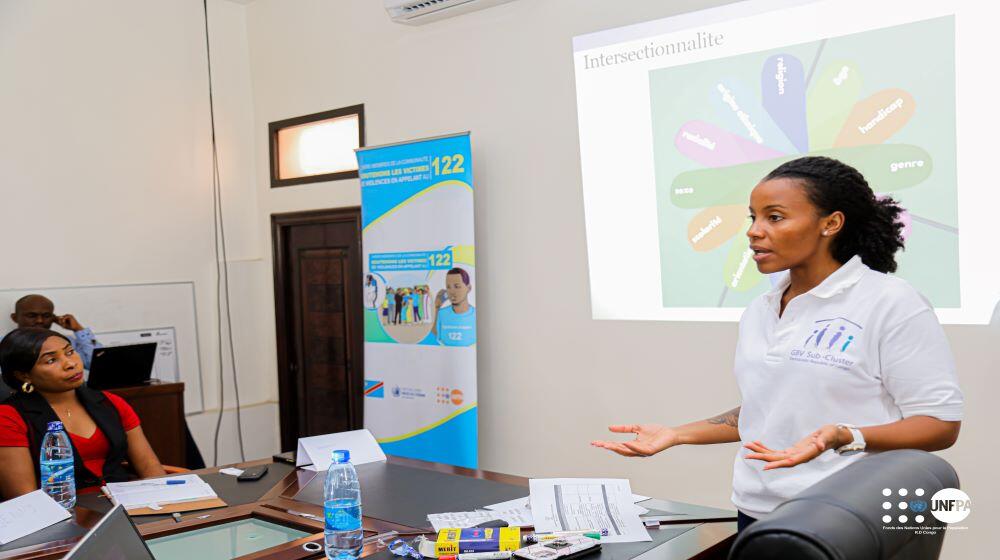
(650, 439)
(805, 450)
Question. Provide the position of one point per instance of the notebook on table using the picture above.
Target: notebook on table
(158, 496)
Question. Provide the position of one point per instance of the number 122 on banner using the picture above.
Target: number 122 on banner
(448, 165)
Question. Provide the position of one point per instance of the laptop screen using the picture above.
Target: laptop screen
(122, 366)
(113, 538)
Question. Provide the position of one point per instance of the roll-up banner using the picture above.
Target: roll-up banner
(420, 314)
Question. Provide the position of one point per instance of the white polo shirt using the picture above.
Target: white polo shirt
(862, 348)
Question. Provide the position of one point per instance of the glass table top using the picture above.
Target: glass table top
(225, 541)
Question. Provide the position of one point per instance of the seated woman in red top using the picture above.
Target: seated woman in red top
(47, 375)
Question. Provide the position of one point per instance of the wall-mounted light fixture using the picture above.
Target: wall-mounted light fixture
(317, 147)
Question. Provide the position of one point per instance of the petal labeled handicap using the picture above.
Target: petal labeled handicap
(875, 119)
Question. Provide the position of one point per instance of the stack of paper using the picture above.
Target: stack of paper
(158, 492)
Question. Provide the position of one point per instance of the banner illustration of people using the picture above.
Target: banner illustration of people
(420, 314)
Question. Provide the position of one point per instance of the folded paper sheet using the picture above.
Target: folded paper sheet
(314, 452)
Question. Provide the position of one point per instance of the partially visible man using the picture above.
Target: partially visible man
(38, 311)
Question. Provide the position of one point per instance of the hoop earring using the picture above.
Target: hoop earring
(27, 387)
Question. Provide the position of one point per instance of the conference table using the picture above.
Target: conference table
(397, 495)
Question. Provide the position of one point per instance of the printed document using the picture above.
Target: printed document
(575, 504)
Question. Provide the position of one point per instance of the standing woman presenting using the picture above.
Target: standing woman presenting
(838, 359)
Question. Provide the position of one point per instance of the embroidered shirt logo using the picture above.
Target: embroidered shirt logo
(827, 342)
(835, 334)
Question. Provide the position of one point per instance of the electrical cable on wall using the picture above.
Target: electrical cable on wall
(221, 270)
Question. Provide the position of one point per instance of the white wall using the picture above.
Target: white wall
(550, 378)
(105, 154)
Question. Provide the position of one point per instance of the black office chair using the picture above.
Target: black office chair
(840, 518)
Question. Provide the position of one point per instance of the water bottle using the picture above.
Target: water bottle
(56, 463)
(342, 509)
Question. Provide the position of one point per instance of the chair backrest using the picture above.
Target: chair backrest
(841, 516)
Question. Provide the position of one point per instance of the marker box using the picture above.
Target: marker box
(461, 541)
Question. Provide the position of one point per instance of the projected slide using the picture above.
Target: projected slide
(680, 118)
(737, 118)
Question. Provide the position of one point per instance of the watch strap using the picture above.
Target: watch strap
(857, 443)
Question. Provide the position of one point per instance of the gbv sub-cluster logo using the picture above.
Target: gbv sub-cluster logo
(949, 505)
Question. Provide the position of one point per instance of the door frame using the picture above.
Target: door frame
(280, 223)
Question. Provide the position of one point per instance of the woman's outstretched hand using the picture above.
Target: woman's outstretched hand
(807, 449)
(650, 439)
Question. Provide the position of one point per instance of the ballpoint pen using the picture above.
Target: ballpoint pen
(304, 514)
(539, 537)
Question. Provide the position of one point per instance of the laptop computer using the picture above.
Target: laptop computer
(122, 366)
(114, 537)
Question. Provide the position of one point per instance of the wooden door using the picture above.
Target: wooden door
(318, 299)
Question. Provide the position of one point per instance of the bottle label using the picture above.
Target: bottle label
(341, 516)
(57, 471)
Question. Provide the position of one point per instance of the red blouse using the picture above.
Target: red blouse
(93, 449)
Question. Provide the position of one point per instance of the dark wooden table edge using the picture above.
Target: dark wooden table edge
(295, 480)
(279, 497)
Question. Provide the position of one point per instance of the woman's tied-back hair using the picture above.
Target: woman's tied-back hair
(871, 227)
(19, 351)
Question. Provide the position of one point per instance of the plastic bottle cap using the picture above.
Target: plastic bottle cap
(341, 456)
(55, 427)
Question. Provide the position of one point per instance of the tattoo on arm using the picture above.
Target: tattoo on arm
(731, 418)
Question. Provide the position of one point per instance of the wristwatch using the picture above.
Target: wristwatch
(857, 445)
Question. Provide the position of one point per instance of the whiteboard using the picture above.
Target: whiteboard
(129, 307)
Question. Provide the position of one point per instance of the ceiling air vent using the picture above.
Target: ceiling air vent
(418, 12)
